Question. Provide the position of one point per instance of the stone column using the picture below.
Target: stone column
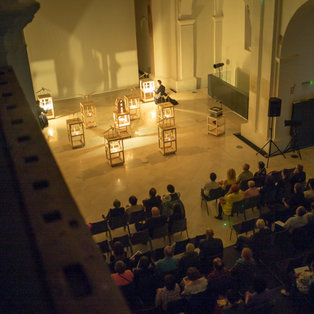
(218, 19)
(185, 48)
(14, 16)
(263, 77)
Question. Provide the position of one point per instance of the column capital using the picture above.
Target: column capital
(186, 22)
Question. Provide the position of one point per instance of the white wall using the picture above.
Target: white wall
(233, 37)
(297, 64)
(78, 46)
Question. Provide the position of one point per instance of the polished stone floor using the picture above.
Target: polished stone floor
(94, 184)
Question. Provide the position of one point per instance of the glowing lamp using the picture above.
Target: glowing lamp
(121, 117)
(45, 102)
(133, 104)
(166, 115)
(147, 87)
(114, 147)
(76, 135)
(167, 139)
(88, 113)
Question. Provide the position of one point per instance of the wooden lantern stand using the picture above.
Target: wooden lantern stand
(215, 121)
(114, 147)
(76, 135)
(165, 114)
(121, 118)
(88, 113)
(134, 106)
(45, 102)
(147, 88)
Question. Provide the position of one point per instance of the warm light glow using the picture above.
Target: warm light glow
(115, 146)
(50, 132)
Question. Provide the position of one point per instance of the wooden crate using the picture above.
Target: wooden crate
(167, 139)
(88, 113)
(76, 134)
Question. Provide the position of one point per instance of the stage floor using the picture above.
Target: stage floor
(94, 184)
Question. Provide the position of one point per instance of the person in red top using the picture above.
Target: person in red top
(122, 276)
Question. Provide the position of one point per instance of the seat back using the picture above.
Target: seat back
(180, 246)
(118, 221)
(197, 239)
(178, 226)
(248, 225)
(137, 217)
(157, 254)
(238, 207)
(252, 202)
(244, 185)
(123, 239)
(140, 237)
(160, 232)
(98, 227)
(216, 193)
(104, 247)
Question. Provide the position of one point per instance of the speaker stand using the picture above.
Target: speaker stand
(271, 143)
(293, 144)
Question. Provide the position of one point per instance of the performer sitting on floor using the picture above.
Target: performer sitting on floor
(161, 96)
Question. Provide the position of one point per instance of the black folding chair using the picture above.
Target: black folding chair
(243, 227)
(141, 237)
(197, 239)
(214, 195)
(178, 226)
(161, 232)
(124, 240)
(137, 217)
(180, 246)
(99, 227)
(118, 222)
(239, 208)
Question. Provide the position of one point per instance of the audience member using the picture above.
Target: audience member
(145, 280)
(231, 179)
(284, 185)
(226, 202)
(211, 185)
(260, 296)
(244, 270)
(296, 199)
(153, 201)
(117, 210)
(156, 221)
(310, 215)
(235, 304)
(170, 292)
(245, 175)
(189, 259)
(118, 255)
(177, 214)
(122, 276)
(309, 194)
(169, 263)
(210, 247)
(297, 221)
(133, 207)
(261, 172)
(251, 191)
(169, 200)
(269, 190)
(257, 241)
(298, 175)
(194, 282)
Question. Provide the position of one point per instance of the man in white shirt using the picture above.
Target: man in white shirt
(309, 194)
(211, 185)
(297, 221)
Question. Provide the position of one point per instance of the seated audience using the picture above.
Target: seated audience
(177, 214)
(297, 221)
(260, 174)
(194, 282)
(244, 270)
(169, 200)
(211, 185)
(156, 221)
(189, 259)
(122, 276)
(133, 207)
(117, 210)
(118, 255)
(170, 292)
(226, 202)
(296, 199)
(298, 175)
(309, 194)
(258, 240)
(310, 215)
(234, 304)
(210, 247)
(251, 191)
(169, 263)
(145, 280)
(231, 179)
(284, 185)
(245, 175)
(268, 191)
(260, 297)
(153, 201)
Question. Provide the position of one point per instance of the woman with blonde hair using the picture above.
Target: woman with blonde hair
(231, 179)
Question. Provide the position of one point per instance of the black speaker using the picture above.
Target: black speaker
(274, 107)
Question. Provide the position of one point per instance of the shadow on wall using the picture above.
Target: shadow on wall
(242, 80)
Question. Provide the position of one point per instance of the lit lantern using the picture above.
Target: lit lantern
(133, 104)
(45, 102)
(167, 139)
(88, 113)
(166, 114)
(121, 117)
(114, 147)
(76, 132)
(147, 88)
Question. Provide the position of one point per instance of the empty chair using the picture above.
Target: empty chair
(178, 226)
(161, 232)
(99, 227)
(243, 227)
(118, 222)
(141, 237)
(252, 202)
(239, 208)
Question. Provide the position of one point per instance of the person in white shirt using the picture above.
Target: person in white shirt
(297, 221)
(211, 185)
(309, 194)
